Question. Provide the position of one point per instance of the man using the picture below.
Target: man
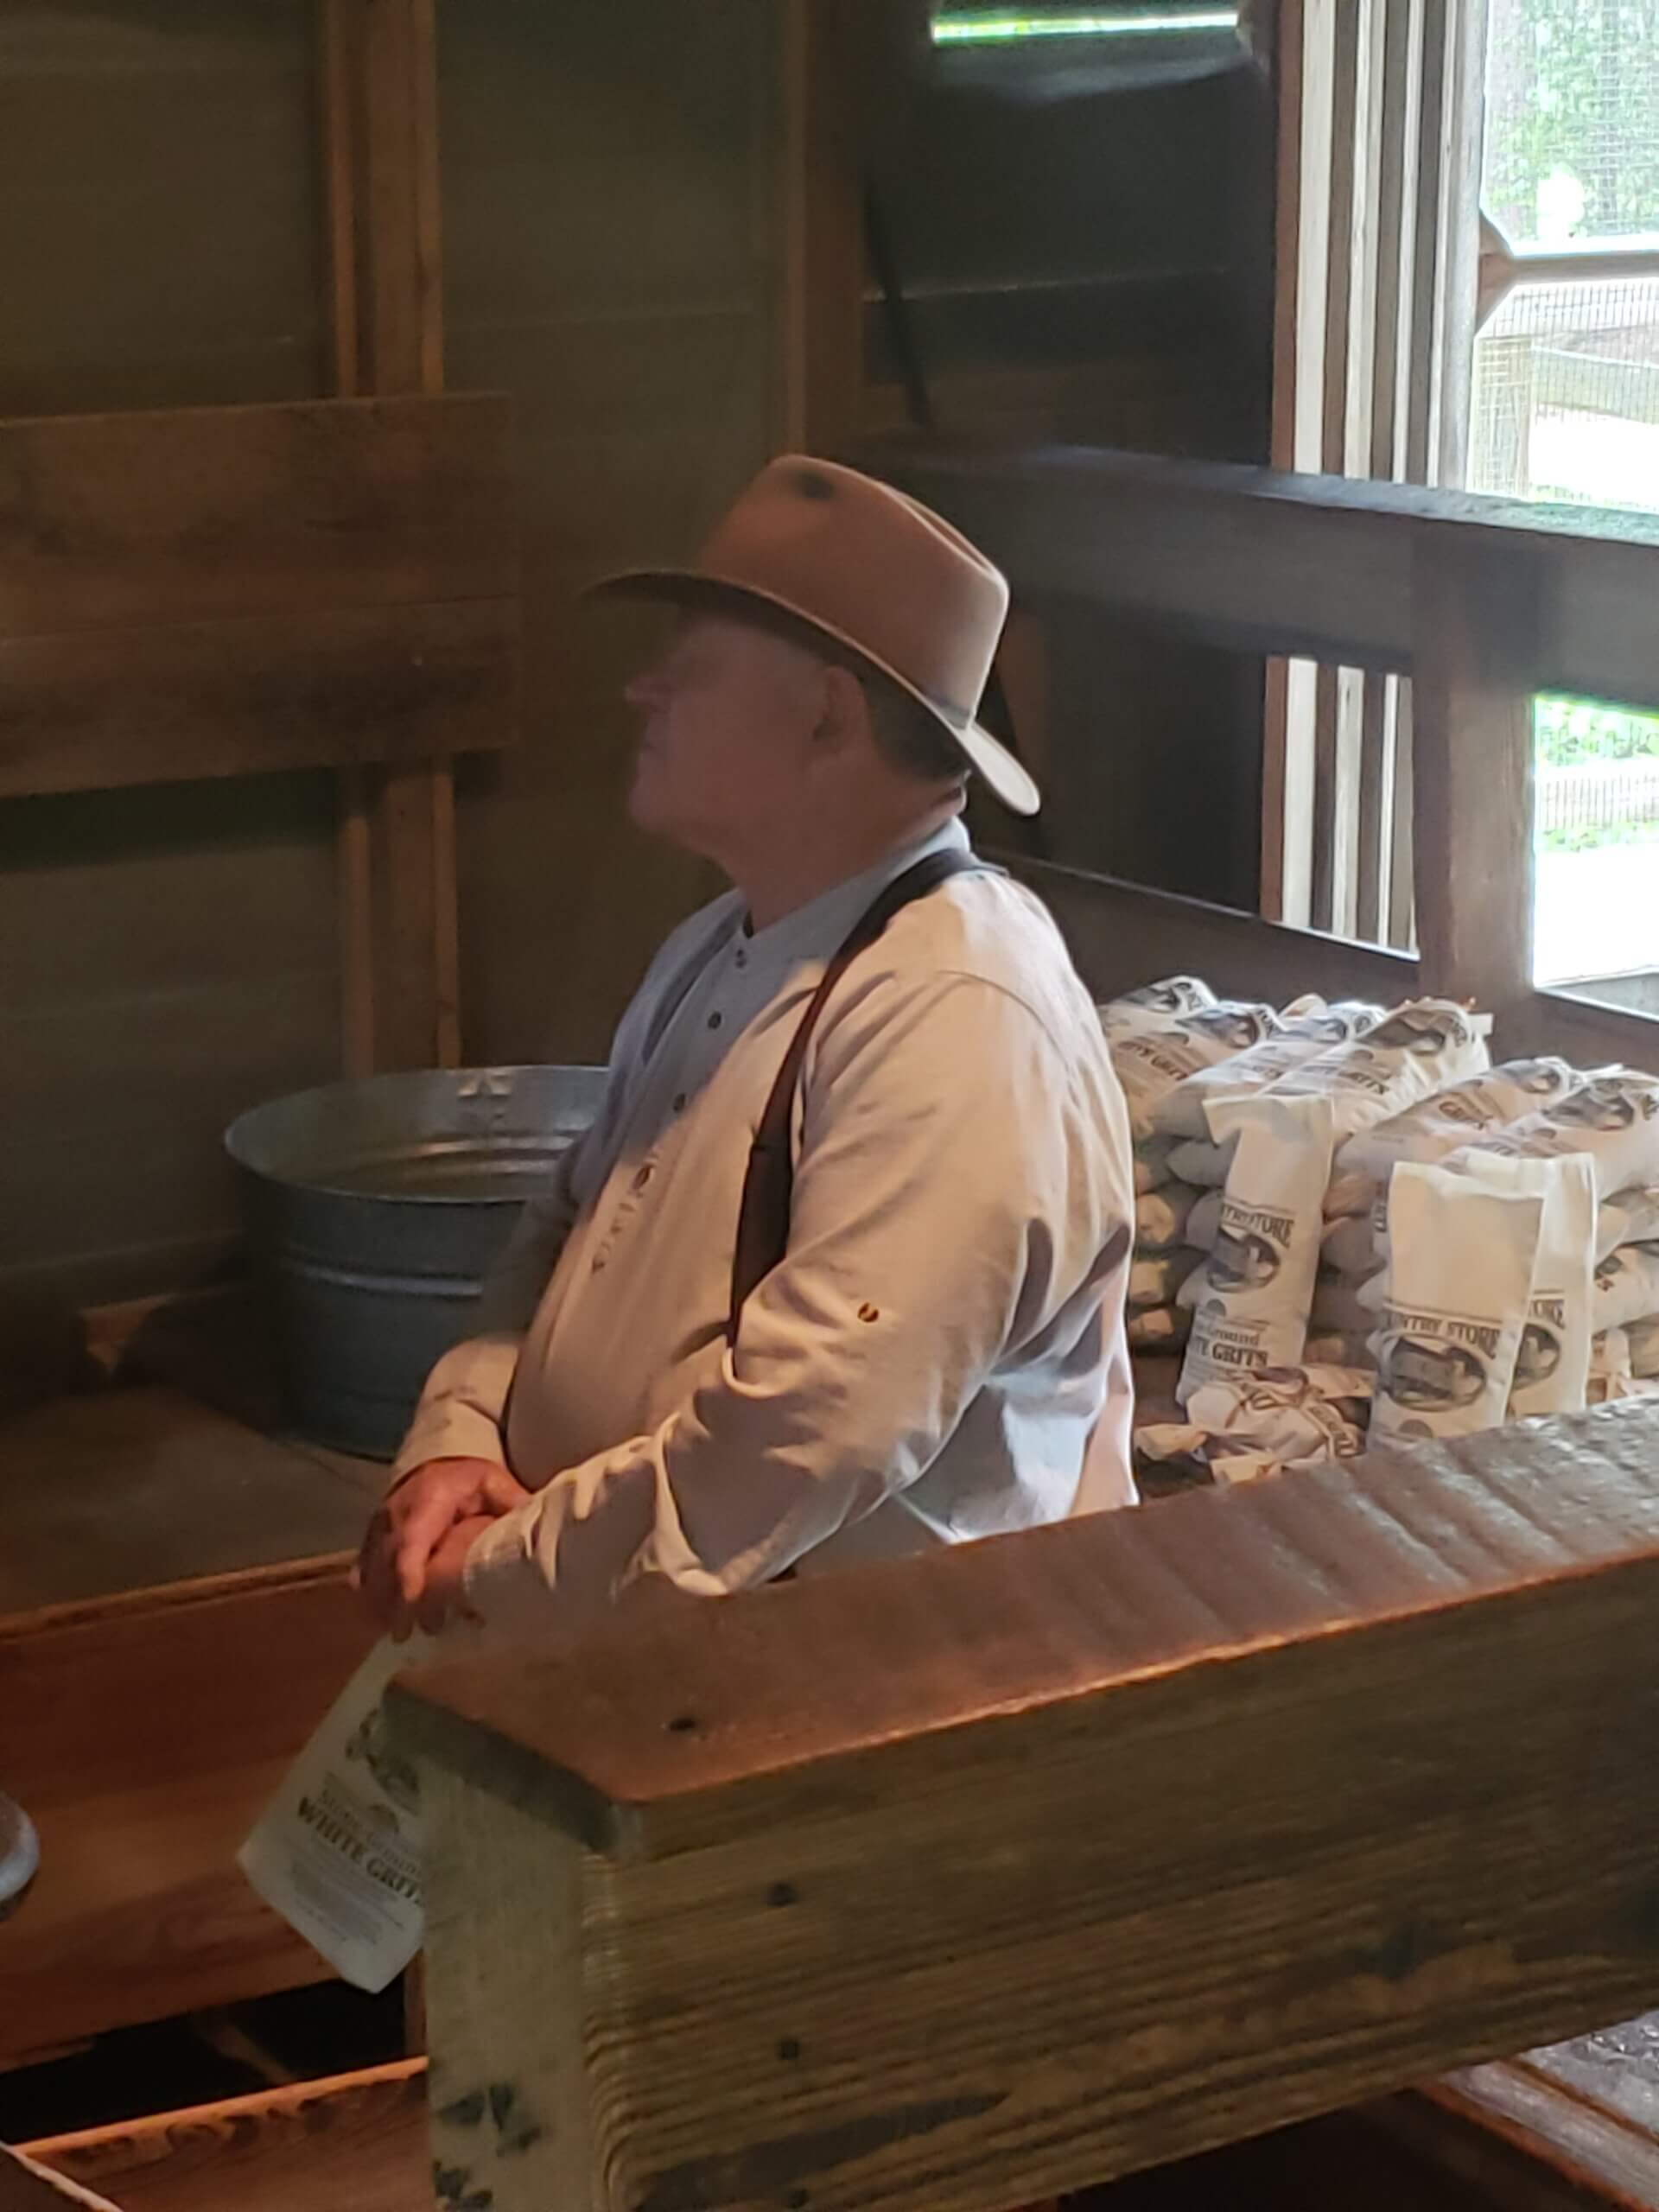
(942, 1333)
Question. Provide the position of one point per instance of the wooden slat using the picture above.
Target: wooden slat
(1435, 122)
(167, 702)
(356, 2142)
(1273, 562)
(1608, 2158)
(228, 513)
(1440, 2154)
(999, 1871)
(1472, 771)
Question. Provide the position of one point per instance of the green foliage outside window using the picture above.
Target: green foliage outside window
(1572, 95)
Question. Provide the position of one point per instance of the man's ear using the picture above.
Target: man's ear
(845, 720)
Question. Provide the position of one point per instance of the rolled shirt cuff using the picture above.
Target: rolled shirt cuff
(501, 1581)
(447, 1432)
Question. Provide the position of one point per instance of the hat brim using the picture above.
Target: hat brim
(1008, 778)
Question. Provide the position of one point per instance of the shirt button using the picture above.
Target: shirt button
(715, 1021)
(741, 958)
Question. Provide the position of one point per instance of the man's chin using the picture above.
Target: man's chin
(648, 806)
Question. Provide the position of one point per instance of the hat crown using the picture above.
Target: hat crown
(875, 569)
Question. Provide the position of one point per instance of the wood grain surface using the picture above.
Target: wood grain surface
(1478, 613)
(218, 591)
(145, 1733)
(25, 2187)
(1020, 1867)
(343, 686)
(126, 1489)
(115, 521)
(353, 2143)
(1275, 562)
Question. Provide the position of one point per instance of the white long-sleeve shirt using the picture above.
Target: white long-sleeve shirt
(929, 1362)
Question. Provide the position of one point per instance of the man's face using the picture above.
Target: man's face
(725, 754)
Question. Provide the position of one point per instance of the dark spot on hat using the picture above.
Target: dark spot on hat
(812, 485)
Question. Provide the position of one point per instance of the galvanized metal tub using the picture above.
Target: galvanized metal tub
(375, 1210)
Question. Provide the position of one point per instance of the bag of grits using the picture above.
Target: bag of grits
(1204, 1223)
(1612, 1118)
(1295, 1413)
(1152, 1169)
(1156, 1277)
(1439, 1124)
(1201, 1162)
(1459, 1284)
(1628, 1218)
(1552, 1367)
(1350, 1247)
(1157, 1328)
(1150, 1062)
(1154, 1005)
(1626, 1286)
(1305, 1031)
(1250, 1298)
(1422, 1047)
(1336, 1347)
(1161, 1215)
(1610, 1366)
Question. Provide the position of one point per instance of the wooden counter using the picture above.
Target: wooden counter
(173, 1620)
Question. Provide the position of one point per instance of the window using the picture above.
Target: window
(1566, 407)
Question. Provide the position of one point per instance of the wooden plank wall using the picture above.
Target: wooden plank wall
(626, 304)
(167, 956)
(185, 197)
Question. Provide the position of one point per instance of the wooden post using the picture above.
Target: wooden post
(821, 380)
(399, 940)
(1475, 620)
(998, 1871)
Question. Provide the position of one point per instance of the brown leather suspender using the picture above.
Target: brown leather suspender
(769, 1180)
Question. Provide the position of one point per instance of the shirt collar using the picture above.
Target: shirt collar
(819, 926)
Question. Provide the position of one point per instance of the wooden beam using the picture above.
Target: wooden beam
(233, 514)
(1476, 612)
(380, 113)
(998, 1871)
(162, 704)
(821, 367)
(356, 2140)
(1271, 563)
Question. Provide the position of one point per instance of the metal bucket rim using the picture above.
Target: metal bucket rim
(238, 1134)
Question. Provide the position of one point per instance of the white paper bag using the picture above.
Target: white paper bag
(337, 1852)
(1459, 1283)
(1250, 1298)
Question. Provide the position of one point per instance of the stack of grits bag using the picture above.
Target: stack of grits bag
(1355, 1244)
(1384, 1067)
(1584, 1317)
(1255, 1393)
(1159, 1037)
